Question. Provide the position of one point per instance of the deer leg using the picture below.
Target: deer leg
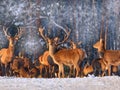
(98, 70)
(3, 69)
(41, 70)
(55, 70)
(71, 69)
(100, 73)
(49, 67)
(10, 69)
(103, 73)
(52, 71)
(109, 70)
(77, 70)
(7, 69)
(46, 73)
(59, 74)
(95, 71)
(61, 70)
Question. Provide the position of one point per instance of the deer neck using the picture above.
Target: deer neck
(101, 49)
(51, 50)
(11, 49)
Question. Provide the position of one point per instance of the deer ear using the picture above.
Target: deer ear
(16, 38)
(101, 40)
(8, 38)
(56, 39)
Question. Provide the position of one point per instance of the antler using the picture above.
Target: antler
(56, 39)
(5, 32)
(106, 32)
(79, 42)
(41, 33)
(43, 36)
(101, 33)
(66, 36)
(74, 45)
(19, 32)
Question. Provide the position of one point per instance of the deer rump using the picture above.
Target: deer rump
(68, 56)
(46, 59)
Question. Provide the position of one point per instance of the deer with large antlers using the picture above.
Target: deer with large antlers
(6, 54)
(67, 57)
(111, 57)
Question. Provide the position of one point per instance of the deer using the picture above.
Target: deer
(98, 67)
(34, 72)
(43, 59)
(88, 69)
(62, 57)
(15, 65)
(74, 46)
(111, 57)
(42, 70)
(6, 54)
(23, 72)
(22, 66)
(47, 61)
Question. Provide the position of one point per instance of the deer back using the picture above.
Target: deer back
(67, 55)
(112, 56)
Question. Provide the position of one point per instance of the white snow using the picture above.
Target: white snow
(86, 83)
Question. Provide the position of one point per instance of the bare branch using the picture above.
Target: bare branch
(79, 43)
(20, 31)
(58, 26)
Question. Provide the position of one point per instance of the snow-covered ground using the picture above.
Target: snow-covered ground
(86, 83)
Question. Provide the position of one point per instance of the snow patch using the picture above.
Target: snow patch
(86, 83)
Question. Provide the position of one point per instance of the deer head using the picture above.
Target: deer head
(87, 69)
(55, 41)
(101, 44)
(74, 45)
(10, 38)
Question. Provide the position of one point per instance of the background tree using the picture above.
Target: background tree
(83, 17)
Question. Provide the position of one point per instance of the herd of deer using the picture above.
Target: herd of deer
(52, 62)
